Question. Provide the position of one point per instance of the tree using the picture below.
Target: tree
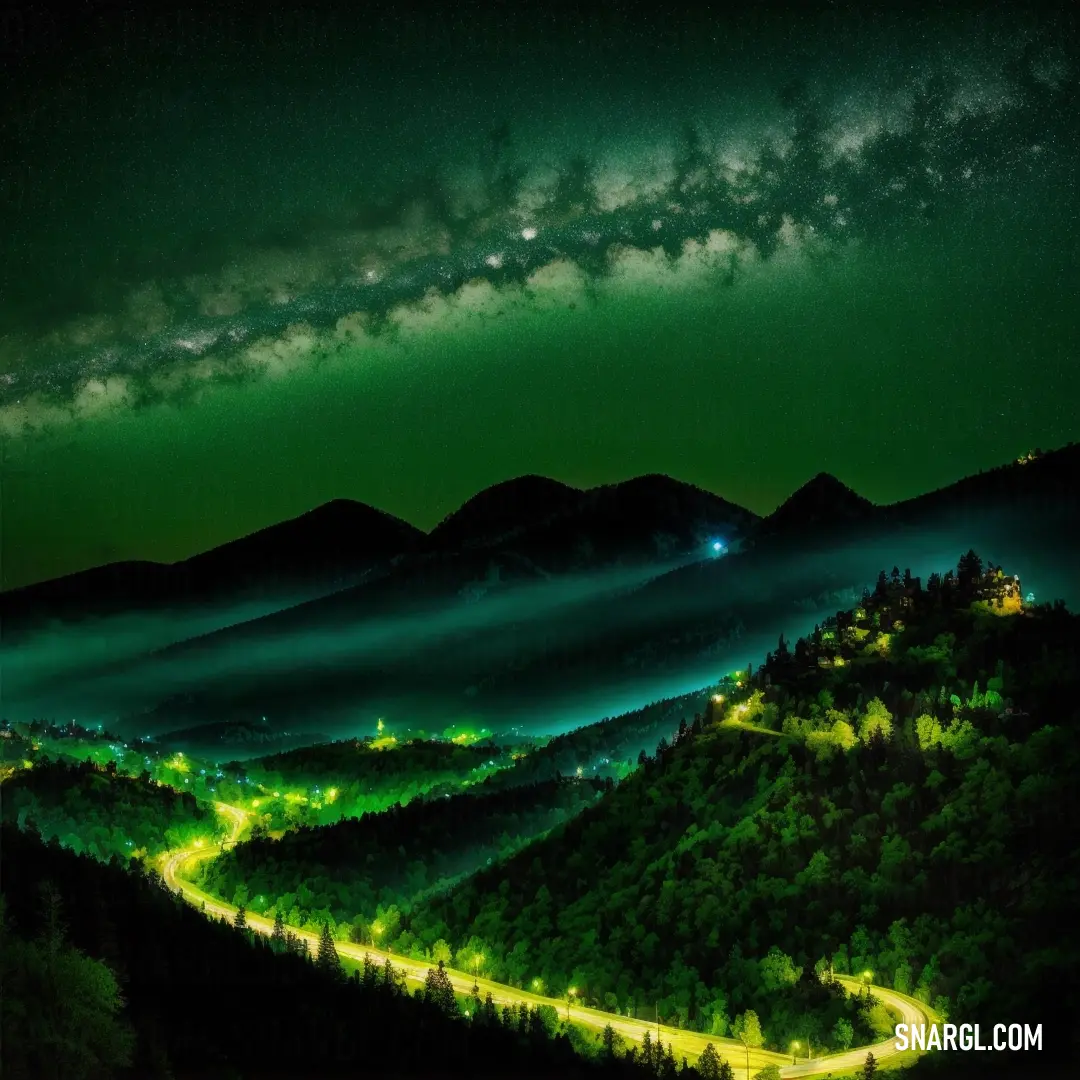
(747, 1029)
(969, 569)
(770, 1072)
(60, 1009)
(278, 934)
(709, 1064)
(726, 1071)
(843, 1034)
(778, 970)
(240, 920)
(869, 1069)
(327, 957)
(439, 991)
(608, 1041)
(441, 952)
(648, 1058)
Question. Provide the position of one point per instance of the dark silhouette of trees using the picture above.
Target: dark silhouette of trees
(169, 957)
(60, 1011)
(439, 991)
(709, 1064)
(327, 959)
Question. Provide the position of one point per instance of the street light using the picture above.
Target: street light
(538, 986)
(868, 977)
(569, 994)
(794, 1051)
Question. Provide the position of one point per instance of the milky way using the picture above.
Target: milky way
(246, 274)
(832, 173)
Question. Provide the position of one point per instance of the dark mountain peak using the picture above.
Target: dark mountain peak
(336, 543)
(660, 489)
(821, 501)
(339, 529)
(503, 509)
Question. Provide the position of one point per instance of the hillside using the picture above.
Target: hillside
(893, 794)
(329, 781)
(104, 968)
(821, 503)
(503, 510)
(608, 748)
(328, 547)
(360, 870)
(100, 812)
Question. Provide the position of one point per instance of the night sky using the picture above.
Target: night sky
(251, 267)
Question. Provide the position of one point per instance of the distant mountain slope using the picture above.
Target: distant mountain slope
(821, 502)
(502, 511)
(334, 543)
(561, 526)
(339, 537)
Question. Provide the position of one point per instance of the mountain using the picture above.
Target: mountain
(559, 624)
(227, 738)
(894, 793)
(333, 544)
(822, 503)
(561, 527)
(502, 511)
(335, 540)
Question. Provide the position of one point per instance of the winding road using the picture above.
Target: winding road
(683, 1043)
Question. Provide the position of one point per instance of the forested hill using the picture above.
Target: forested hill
(365, 776)
(107, 974)
(360, 870)
(610, 747)
(895, 794)
(100, 812)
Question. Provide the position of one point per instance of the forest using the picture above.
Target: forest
(107, 974)
(895, 793)
(94, 809)
(363, 775)
(380, 862)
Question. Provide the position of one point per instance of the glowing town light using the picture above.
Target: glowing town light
(528, 233)
(717, 545)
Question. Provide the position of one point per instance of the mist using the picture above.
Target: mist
(541, 656)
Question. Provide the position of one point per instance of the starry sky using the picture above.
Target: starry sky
(254, 262)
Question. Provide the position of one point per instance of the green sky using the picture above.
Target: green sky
(902, 311)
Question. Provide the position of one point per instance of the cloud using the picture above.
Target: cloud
(859, 165)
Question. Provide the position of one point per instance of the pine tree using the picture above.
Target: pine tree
(278, 935)
(669, 1067)
(709, 1064)
(240, 922)
(869, 1069)
(608, 1040)
(439, 991)
(726, 1071)
(327, 959)
(647, 1050)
